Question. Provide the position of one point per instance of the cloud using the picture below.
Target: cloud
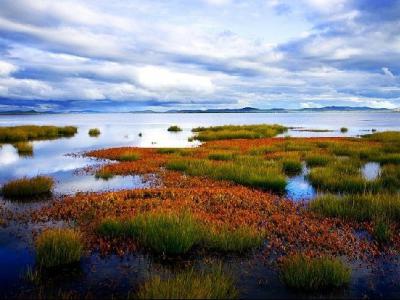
(136, 53)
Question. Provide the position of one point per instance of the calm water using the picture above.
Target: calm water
(103, 276)
(123, 130)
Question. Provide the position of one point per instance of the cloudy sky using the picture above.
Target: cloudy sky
(163, 54)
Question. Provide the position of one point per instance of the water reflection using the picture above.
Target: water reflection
(371, 170)
(298, 188)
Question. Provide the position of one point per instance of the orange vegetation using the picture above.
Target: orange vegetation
(288, 226)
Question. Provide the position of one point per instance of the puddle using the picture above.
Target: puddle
(68, 183)
(371, 170)
(298, 188)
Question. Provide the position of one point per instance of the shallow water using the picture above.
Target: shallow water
(371, 170)
(298, 188)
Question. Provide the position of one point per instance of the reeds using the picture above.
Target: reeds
(191, 284)
(314, 274)
(25, 188)
(56, 247)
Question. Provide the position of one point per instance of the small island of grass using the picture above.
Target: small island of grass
(25, 188)
(94, 132)
(174, 128)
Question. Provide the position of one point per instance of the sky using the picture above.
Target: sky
(126, 55)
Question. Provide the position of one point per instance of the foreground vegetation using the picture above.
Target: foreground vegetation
(25, 188)
(32, 132)
(55, 247)
(313, 274)
(212, 200)
(177, 233)
(191, 284)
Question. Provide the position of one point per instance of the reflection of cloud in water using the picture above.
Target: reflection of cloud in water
(8, 155)
(68, 183)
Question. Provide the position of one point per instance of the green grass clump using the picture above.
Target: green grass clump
(390, 177)
(168, 150)
(191, 284)
(314, 274)
(24, 148)
(344, 129)
(392, 158)
(111, 228)
(385, 136)
(221, 155)
(56, 247)
(165, 233)
(94, 132)
(317, 160)
(129, 156)
(264, 150)
(238, 240)
(381, 231)
(291, 166)
(358, 207)
(28, 187)
(104, 174)
(32, 132)
(247, 171)
(174, 128)
(237, 132)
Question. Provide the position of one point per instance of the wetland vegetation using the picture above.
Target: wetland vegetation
(226, 198)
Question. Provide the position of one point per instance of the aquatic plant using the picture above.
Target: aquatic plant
(317, 160)
(221, 155)
(129, 156)
(24, 188)
(174, 128)
(381, 230)
(314, 274)
(56, 247)
(24, 148)
(237, 132)
(364, 207)
(104, 174)
(344, 129)
(245, 171)
(94, 132)
(292, 167)
(165, 233)
(233, 240)
(191, 284)
(32, 132)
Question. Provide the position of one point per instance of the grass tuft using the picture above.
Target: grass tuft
(174, 128)
(32, 132)
(358, 207)
(94, 132)
(291, 166)
(24, 148)
(221, 155)
(238, 240)
(344, 129)
(314, 274)
(104, 174)
(56, 247)
(237, 132)
(191, 284)
(28, 187)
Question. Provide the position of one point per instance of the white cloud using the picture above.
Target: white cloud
(387, 72)
(7, 68)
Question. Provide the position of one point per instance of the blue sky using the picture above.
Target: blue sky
(163, 54)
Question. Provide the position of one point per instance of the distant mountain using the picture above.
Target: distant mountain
(343, 108)
(228, 110)
(22, 112)
(216, 110)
